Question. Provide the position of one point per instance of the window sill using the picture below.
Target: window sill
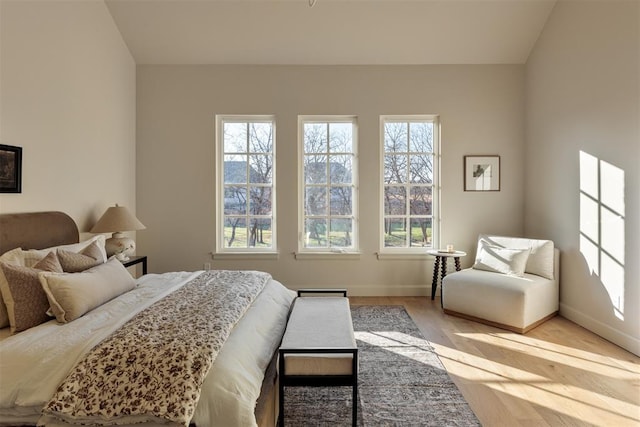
(421, 256)
(244, 255)
(343, 256)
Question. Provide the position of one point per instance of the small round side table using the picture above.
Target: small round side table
(441, 266)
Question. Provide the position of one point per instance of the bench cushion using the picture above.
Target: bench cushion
(319, 322)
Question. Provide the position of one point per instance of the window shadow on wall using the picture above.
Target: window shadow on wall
(602, 225)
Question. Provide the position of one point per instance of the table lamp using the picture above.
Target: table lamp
(116, 220)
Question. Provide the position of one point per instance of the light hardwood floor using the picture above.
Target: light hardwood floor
(558, 374)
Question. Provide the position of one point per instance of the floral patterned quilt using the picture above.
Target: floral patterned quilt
(153, 367)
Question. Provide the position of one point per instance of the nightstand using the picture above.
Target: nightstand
(137, 260)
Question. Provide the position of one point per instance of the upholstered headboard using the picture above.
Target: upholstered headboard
(36, 230)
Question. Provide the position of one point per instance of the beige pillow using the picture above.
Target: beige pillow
(14, 257)
(73, 294)
(26, 301)
(31, 257)
(95, 247)
(4, 314)
(73, 262)
(502, 260)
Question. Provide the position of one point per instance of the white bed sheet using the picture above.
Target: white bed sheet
(34, 362)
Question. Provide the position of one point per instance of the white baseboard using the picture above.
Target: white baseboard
(389, 291)
(617, 337)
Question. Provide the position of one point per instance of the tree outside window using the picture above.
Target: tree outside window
(246, 147)
(408, 182)
(328, 193)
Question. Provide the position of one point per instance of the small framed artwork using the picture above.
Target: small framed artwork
(10, 169)
(481, 173)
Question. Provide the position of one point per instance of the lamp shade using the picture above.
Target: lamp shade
(116, 220)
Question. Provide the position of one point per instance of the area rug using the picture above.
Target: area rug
(401, 380)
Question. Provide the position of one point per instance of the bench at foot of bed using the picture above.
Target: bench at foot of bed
(319, 346)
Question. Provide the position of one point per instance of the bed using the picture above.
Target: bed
(40, 364)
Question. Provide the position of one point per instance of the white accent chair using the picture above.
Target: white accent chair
(513, 284)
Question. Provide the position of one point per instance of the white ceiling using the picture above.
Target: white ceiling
(330, 32)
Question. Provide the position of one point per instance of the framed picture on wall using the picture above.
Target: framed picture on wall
(10, 169)
(482, 173)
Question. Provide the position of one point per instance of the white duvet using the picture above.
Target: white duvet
(34, 362)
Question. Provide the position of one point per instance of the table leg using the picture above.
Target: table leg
(434, 283)
(444, 273)
(457, 261)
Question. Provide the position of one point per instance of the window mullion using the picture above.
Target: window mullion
(247, 188)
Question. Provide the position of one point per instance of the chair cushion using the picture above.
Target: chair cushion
(500, 298)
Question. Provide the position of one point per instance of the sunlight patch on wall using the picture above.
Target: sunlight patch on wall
(602, 224)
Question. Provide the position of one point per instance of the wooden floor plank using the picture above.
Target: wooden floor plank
(558, 374)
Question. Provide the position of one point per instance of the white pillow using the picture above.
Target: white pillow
(32, 256)
(541, 256)
(502, 260)
(73, 294)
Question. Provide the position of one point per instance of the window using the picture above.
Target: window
(409, 187)
(328, 175)
(246, 183)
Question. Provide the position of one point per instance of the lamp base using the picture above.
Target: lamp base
(120, 245)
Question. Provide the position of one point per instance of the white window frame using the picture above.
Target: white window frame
(221, 249)
(343, 252)
(435, 209)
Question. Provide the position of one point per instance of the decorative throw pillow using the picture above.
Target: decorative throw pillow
(26, 301)
(73, 262)
(32, 256)
(4, 314)
(49, 263)
(541, 257)
(501, 260)
(14, 257)
(72, 295)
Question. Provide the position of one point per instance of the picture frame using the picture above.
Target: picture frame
(10, 169)
(482, 173)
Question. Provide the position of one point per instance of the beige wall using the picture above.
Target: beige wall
(68, 97)
(583, 95)
(67, 84)
(481, 110)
